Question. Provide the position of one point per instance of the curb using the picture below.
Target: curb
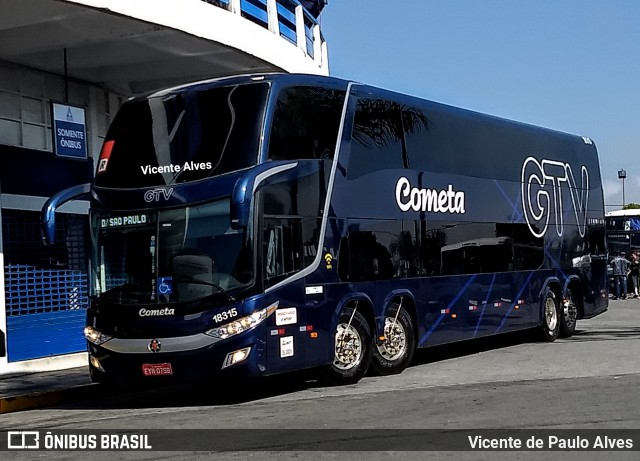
(45, 398)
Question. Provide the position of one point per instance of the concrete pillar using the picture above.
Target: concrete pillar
(272, 15)
(317, 45)
(234, 6)
(300, 35)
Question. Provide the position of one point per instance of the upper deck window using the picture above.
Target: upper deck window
(306, 122)
(377, 139)
(183, 137)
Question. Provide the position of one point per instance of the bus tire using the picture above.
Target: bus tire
(551, 316)
(569, 315)
(394, 354)
(352, 346)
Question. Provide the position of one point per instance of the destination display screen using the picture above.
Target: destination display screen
(124, 221)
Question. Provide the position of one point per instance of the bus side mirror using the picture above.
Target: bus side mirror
(48, 213)
(245, 188)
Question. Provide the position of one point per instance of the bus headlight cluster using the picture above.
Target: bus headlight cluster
(95, 337)
(242, 324)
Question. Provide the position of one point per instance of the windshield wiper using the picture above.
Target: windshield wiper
(205, 283)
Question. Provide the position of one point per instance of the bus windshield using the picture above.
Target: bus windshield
(183, 137)
(169, 256)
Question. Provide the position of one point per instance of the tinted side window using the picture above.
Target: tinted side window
(374, 250)
(408, 250)
(291, 226)
(229, 129)
(306, 122)
(469, 248)
(377, 139)
(597, 240)
(378, 250)
(427, 141)
(528, 250)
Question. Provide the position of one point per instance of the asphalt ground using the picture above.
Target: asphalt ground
(26, 391)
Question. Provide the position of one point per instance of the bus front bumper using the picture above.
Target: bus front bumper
(161, 361)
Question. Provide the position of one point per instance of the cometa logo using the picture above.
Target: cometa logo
(432, 200)
(156, 312)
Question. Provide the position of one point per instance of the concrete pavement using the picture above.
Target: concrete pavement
(25, 391)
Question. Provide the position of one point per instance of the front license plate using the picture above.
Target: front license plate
(157, 369)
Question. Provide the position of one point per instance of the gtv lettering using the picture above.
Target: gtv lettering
(155, 194)
(543, 185)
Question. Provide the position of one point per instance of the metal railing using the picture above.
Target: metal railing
(286, 18)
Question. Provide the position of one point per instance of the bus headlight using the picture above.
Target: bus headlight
(242, 324)
(95, 337)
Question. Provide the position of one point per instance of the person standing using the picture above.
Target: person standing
(620, 265)
(635, 272)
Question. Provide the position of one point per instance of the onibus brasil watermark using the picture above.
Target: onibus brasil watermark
(47, 440)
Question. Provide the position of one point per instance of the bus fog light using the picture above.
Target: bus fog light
(94, 336)
(235, 357)
(95, 363)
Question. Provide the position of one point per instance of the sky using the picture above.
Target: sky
(569, 65)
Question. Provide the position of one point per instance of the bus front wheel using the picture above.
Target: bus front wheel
(395, 352)
(551, 318)
(352, 346)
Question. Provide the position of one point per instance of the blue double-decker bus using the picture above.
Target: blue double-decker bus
(260, 224)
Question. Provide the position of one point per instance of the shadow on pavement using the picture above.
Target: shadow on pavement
(231, 392)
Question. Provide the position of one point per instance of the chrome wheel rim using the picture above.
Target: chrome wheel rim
(395, 343)
(349, 347)
(569, 312)
(550, 314)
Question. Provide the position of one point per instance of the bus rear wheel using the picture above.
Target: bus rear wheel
(395, 352)
(352, 346)
(569, 314)
(551, 317)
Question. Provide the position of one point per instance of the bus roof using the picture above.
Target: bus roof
(628, 212)
(336, 82)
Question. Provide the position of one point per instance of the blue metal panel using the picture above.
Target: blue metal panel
(46, 311)
(30, 290)
(46, 334)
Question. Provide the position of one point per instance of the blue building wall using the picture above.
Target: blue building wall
(46, 288)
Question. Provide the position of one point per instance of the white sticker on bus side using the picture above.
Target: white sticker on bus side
(286, 346)
(287, 316)
(313, 290)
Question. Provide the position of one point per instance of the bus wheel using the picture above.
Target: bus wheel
(550, 317)
(352, 350)
(395, 352)
(569, 315)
